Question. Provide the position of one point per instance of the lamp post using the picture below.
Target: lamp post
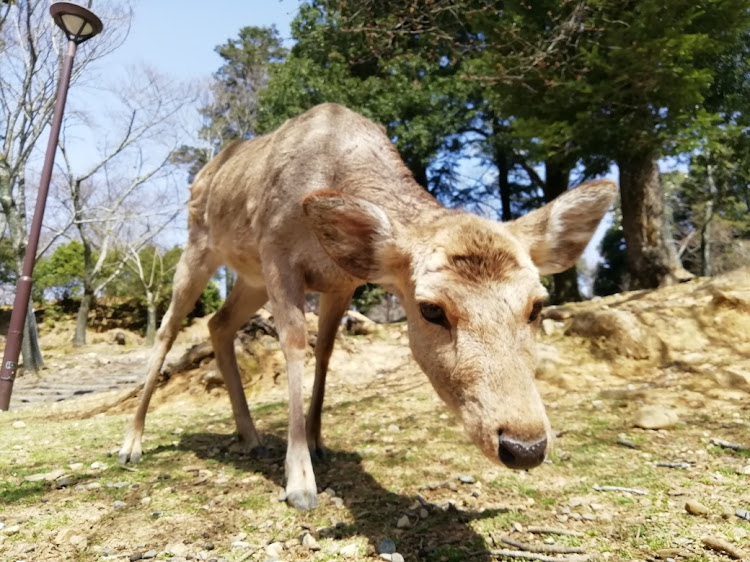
(79, 25)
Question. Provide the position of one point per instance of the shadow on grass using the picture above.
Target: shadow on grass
(22, 492)
(444, 535)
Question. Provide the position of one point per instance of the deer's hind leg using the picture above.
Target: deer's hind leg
(195, 268)
(242, 302)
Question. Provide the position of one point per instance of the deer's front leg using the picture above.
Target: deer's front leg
(287, 301)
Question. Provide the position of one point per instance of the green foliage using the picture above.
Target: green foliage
(570, 85)
(367, 296)
(209, 301)
(61, 274)
(7, 261)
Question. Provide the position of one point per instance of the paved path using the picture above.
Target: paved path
(98, 368)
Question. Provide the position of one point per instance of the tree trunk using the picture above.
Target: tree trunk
(420, 174)
(228, 280)
(706, 269)
(501, 160)
(82, 320)
(565, 283)
(651, 254)
(150, 318)
(32, 354)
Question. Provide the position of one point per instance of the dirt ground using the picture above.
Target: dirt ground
(400, 475)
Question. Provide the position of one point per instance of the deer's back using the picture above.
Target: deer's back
(252, 191)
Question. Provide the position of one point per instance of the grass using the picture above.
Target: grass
(203, 491)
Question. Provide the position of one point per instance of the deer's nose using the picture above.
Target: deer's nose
(521, 455)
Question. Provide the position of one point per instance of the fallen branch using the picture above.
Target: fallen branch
(721, 545)
(673, 464)
(531, 556)
(627, 443)
(729, 445)
(543, 548)
(620, 489)
(553, 531)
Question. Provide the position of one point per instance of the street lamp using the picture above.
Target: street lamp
(79, 25)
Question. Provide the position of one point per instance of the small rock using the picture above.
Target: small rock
(97, 465)
(349, 551)
(119, 504)
(403, 522)
(338, 502)
(655, 417)
(119, 485)
(746, 470)
(146, 500)
(386, 546)
(466, 478)
(48, 476)
(136, 556)
(177, 549)
(275, 549)
(63, 536)
(76, 465)
(695, 508)
(396, 557)
(330, 491)
(93, 486)
(309, 542)
(78, 541)
(149, 554)
(12, 530)
(291, 543)
(386, 556)
(393, 428)
(18, 424)
(423, 513)
(63, 482)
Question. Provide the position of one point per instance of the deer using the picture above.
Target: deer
(325, 204)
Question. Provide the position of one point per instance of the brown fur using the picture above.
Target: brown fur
(325, 204)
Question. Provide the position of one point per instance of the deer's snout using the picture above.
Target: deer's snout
(521, 455)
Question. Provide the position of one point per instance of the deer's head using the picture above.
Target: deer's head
(471, 290)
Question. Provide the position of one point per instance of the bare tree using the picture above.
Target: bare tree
(30, 48)
(126, 195)
(153, 268)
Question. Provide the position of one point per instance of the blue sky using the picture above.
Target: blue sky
(179, 38)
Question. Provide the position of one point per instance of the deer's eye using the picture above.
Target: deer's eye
(535, 311)
(433, 314)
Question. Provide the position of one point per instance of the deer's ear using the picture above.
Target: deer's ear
(355, 233)
(557, 234)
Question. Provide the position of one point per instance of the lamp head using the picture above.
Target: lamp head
(78, 23)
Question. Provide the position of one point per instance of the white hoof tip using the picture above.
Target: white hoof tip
(300, 499)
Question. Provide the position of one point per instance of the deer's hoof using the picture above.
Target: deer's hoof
(131, 457)
(302, 499)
